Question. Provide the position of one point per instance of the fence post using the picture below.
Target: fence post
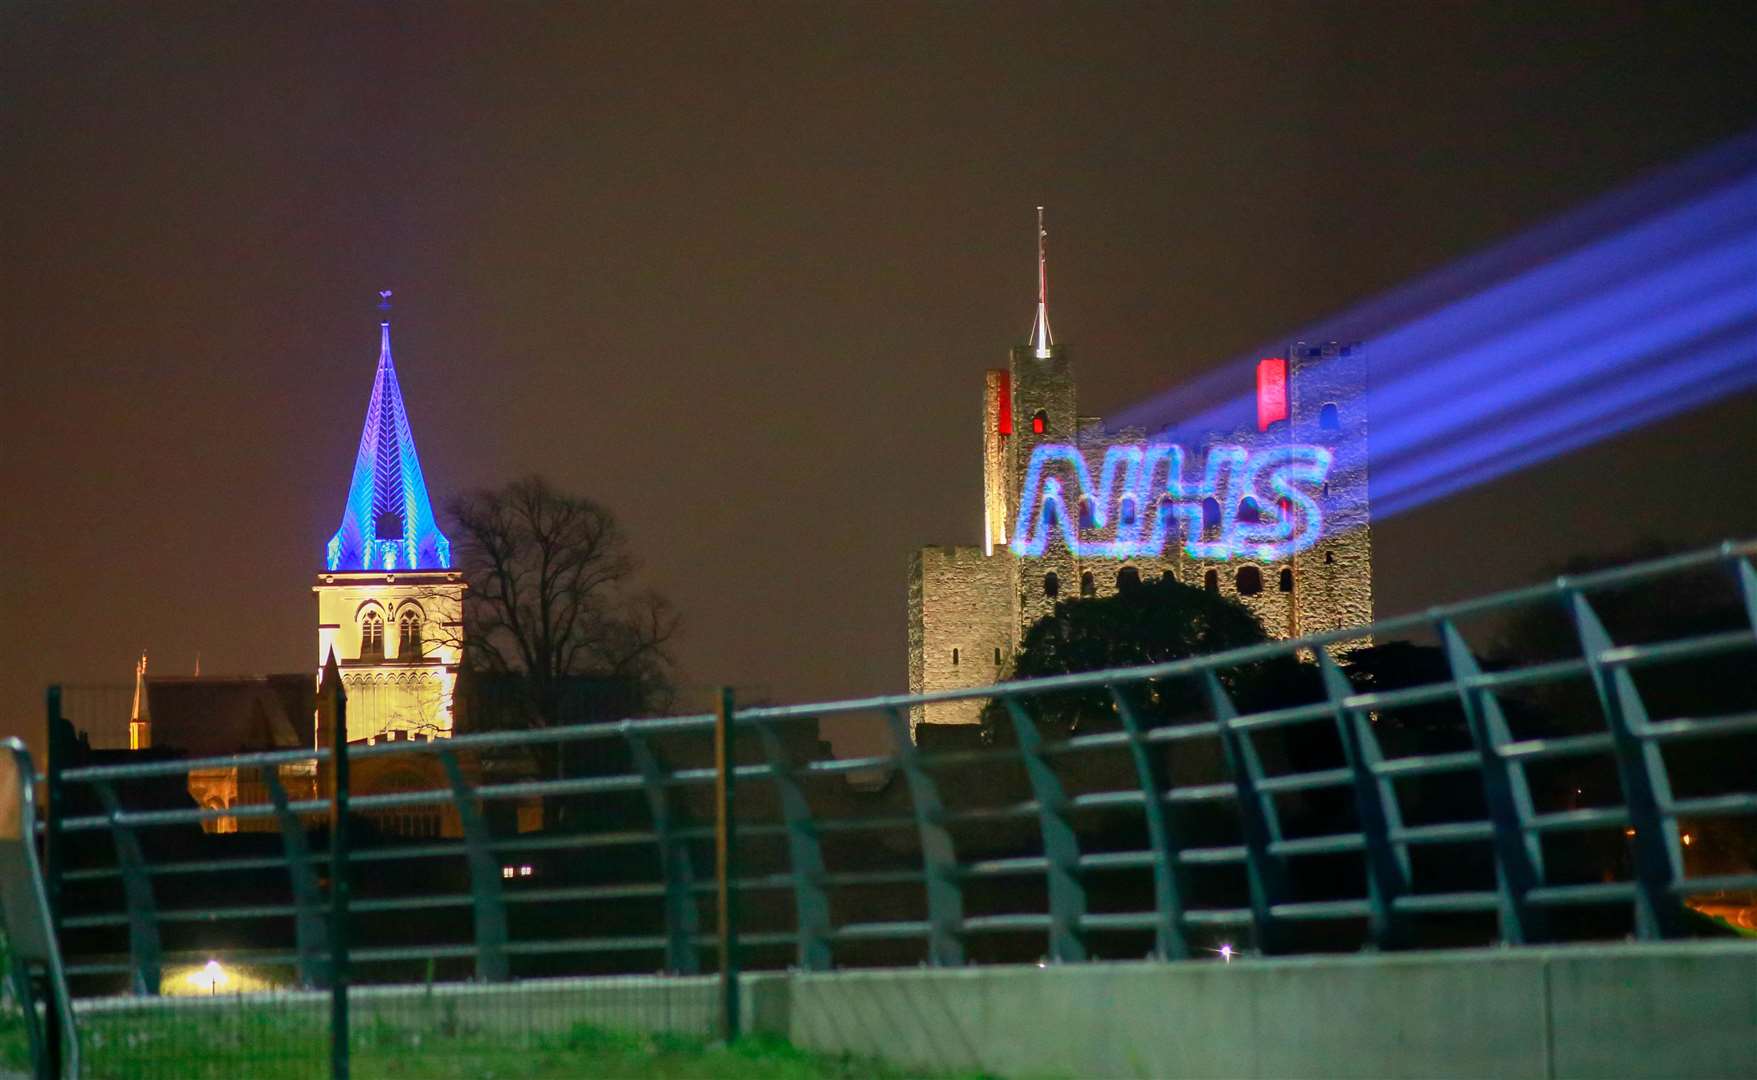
(725, 862)
(485, 894)
(53, 841)
(308, 928)
(681, 919)
(1376, 806)
(1170, 940)
(939, 859)
(805, 856)
(1646, 790)
(1518, 854)
(1258, 821)
(137, 894)
(1061, 849)
(333, 700)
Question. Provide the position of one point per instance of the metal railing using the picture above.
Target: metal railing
(1187, 809)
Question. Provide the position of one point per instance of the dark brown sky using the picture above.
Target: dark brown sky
(737, 274)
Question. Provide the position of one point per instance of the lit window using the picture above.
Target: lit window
(409, 635)
(507, 871)
(1250, 581)
(1039, 423)
(372, 636)
(526, 871)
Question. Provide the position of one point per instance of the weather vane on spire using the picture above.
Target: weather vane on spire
(1041, 340)
(384, 300)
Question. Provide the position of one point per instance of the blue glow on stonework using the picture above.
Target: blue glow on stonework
(1282, 481)
(388, 495)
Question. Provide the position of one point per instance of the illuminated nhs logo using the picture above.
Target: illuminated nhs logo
(1244, 504)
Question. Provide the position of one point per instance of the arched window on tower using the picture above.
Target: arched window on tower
(1250, 581)
(1051, 585)
(1248, 512)
(1127, 578)
(1088, 515)
(1088, 584)
(1211, 581)
(409, 635)
(1125, 513)
(1040, 423)
(1286, 579)
(1210, 513)
(1329, 418)
(372, 636)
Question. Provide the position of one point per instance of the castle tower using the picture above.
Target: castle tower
(389, 603)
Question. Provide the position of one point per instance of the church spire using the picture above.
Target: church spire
(387, 523)
(1041, 340)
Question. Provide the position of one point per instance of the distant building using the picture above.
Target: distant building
(1086, 529)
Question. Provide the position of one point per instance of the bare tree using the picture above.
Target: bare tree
(552, 597)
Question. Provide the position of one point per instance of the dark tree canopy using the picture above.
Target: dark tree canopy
(1145, 623)
(552, 597)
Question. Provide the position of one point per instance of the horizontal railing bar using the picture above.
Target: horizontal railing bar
(1321, 778)
(1699, 728)
(1443, 832)
(1000, 924)
(1203, 856)
(1322, 909)
(1446, 902)
(1718, 883)
(1735, 805)
(1455, 761)
(1101, 800)
(1202, 793)
(1319, 845)
(1596, 817)
(1560, 746)
(1024, 864)
(1218, 917)
(871, 930)
(1597, 892)
(1117, 860)
(1686, 648)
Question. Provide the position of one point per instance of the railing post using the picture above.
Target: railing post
(137, 894)
(308, 928)
(805, 856)
(725, 861)
(330, 693)
(54, 851)
(1518, 852)
(681, 919)
(1170, 941)
(1061, 849)
(1659, 861)
(1258, 820)
(1375, 805)
(939, 860)
(485, 894)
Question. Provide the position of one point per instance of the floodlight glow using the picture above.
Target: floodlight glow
(1151, 475)
(1636, 307)
(387, 522)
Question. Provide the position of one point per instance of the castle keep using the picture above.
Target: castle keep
(1273, 514)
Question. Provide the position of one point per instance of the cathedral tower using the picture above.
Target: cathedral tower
(389, 603)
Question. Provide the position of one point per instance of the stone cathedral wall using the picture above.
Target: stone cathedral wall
(960, 627)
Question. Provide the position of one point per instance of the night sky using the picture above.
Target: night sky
(737, 273)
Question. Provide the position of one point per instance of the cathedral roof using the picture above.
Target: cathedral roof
(387, 523)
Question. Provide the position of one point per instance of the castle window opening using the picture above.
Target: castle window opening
(1088, 515)
(1127, 578)
(1040, 423)
(372, 636)
(1329, 419)
(1329, 558)
(1051, 585)
(1088, 584)
(1210, 513)
(1286, 579)
(1249, 581)
(1126, 512)
(409, 636)
(1211, 581)
(954, 657)
(997, 656)
(1247, 511)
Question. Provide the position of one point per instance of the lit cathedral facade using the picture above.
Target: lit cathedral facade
(1273, 515)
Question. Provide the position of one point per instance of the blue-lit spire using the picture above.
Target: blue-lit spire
(387, 523)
